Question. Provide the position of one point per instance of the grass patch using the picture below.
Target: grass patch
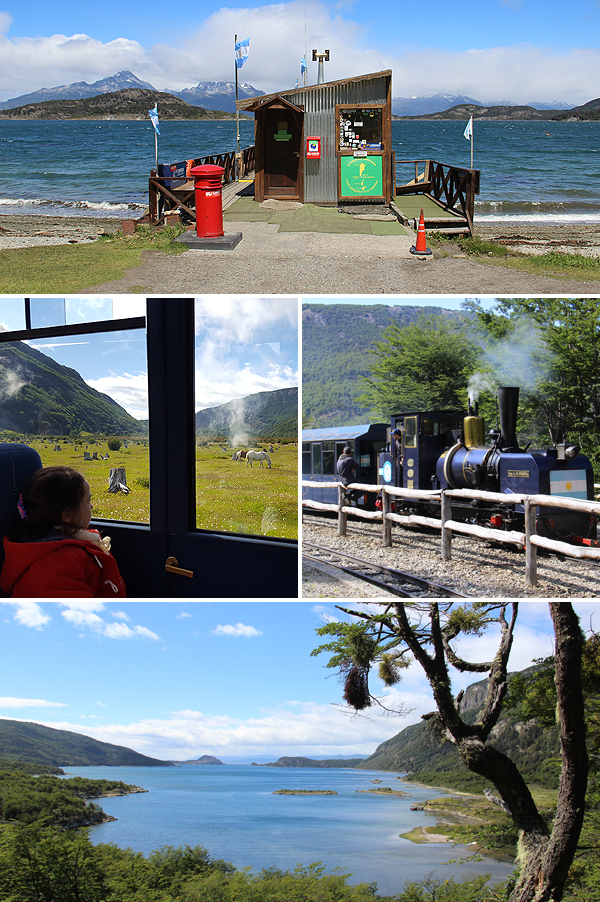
(554, 263)
(69, 268)
(230, 497)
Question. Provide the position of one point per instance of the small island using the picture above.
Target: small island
(304, 792)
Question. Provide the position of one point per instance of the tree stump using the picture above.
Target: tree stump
(117, 480)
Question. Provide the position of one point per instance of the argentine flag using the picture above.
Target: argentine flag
(154, 117)
(572, 483)
(241, 52)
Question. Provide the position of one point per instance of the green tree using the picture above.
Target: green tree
(420, 366)
(393, 635)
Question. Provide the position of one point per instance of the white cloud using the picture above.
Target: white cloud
(183, 615)
(8, 702)
(82, 615)
(127, 389)
(29, 613)
(240, 629)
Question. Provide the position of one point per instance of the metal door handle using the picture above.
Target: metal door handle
(172, 566)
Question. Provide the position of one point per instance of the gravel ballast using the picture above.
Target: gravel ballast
(478, 568)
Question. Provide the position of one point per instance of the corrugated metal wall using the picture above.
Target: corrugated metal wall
(320, 176)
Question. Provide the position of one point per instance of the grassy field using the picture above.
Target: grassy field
(229, 496)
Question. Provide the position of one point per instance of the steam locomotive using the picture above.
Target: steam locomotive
(445, 449)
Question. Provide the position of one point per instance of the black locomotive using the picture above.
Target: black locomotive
(446, 449)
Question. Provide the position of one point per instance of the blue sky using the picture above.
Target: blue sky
(244, 345)
(176, 680)
(520, 50)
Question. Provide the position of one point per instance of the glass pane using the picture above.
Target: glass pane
(305, 459)
(328, 459)
(12, 314)
(410, 432)
(360, 129)
(81, 401)
(316, 460)
(247, 401)
(75, 310)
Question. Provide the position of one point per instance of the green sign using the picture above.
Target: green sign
(361, 176)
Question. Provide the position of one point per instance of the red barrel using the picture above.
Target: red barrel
(209, 203)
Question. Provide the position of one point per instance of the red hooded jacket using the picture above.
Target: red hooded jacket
(65, 568)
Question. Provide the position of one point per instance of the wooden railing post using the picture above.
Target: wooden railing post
(446, 533)
(530, 549)
(386, 499)
(342, 515)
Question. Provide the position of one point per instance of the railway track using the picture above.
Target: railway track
(394, 582)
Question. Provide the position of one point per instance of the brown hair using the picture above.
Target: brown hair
(49, 493)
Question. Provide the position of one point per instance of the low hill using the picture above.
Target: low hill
(501, 112)
(40, 396)
(130, 103)
(336, 342)
(264, 414)
(35, 744)
(299, 761)
(417, 751)
(203, 759)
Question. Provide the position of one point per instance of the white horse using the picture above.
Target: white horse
(257, 455)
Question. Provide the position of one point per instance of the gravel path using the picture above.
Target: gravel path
(477, 568)
(307, 263)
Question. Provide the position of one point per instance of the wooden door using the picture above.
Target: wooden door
(282, 141)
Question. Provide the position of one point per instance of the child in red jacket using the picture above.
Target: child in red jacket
(52, 553)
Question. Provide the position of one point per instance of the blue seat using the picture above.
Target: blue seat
(17, 464)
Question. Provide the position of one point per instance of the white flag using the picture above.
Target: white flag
(468, 132)
(154, 117)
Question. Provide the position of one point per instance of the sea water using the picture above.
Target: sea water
(231, 811)
(530, 171)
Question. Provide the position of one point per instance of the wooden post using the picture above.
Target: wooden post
(446, 533)
(342, 516)
(117, 480)
(387, 524)
(530, 549)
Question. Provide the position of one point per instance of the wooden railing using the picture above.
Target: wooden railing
(529, 540)
(453, 187)
(166, 193)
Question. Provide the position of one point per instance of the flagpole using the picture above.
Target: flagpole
(237, 112)
(156, 142)
(471, 145)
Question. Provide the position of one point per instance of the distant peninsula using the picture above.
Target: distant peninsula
(130, 103)
(204, 759)
(310, 762)
(37, 744)
(464, 111)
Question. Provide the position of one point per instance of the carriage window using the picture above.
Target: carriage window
(328, 459)
(81, 401)
(246, 390)
(74, 310)
(316, 460)
(410, 432)
(305, 459)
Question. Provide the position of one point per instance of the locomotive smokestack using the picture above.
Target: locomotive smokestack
(508, 405)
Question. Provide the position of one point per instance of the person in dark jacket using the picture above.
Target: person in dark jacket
(348, 469)
(51, 553)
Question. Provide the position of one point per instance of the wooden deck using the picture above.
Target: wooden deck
(407, 208)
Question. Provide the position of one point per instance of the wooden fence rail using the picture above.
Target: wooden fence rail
(167, 193)
(529, 540)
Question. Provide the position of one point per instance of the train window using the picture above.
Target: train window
(12, 315)
(305, 458)
(430, 427)
(339, 448)
(328, 458)
(246, 415)
(81, 401)
(316, 460)
(410, 432)
(43, 312)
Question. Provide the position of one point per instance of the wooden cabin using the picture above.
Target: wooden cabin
(325, 144)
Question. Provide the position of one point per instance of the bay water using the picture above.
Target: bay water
(231, 811)
(539, 171)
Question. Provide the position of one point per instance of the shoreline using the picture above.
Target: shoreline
(534, 237)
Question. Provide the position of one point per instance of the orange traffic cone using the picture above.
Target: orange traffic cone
(421, 248)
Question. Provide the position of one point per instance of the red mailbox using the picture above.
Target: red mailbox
(209, 202)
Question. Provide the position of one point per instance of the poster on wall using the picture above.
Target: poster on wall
(361, 176)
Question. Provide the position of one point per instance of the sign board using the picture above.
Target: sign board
(313, 148)
(361, 176)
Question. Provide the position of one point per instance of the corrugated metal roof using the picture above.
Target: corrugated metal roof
(248, 102)
(336, 433)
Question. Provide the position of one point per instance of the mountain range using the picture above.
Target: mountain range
(219, 95)
(336, 343)
(267, 414)
(209, 95)
(42, 397)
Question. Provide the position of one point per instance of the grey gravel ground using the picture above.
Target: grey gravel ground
(478, 569)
